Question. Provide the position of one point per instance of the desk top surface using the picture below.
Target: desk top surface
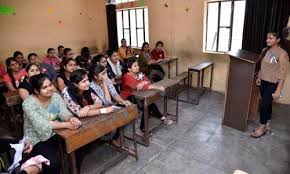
(166, 83)
(244, 55)
(93, 121)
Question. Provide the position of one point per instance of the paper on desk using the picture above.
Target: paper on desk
(18, 153)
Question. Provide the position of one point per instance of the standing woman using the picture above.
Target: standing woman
(25, 88)
(15, 75)
(42, 112)
(68, 65)
(80, 98)
(132, 81)
(271, 78)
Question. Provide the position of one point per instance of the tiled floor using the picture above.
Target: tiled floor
(199, 144)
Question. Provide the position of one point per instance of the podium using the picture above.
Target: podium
(242, 94)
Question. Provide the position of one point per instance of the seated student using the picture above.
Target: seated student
(144, 58)
(3, 88)
(156, 72)
(100, 59)
(25, 88)
(125, 51)
(44, 67)
(80, 99)
(158, 53)
(20, 58)
(45, 111)
(63, 78)
(114, 69)
(2, 73)
(14, 75)
(52, 58)
(60, 50)
(68, 53)
(84, 60)
(133, 81)
(103, 86)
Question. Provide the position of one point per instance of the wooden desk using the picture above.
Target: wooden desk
(168, 61)
(199, 68)
(97, 126)
(12, 99)
(148, 97)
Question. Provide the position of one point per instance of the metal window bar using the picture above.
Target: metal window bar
(218, 28)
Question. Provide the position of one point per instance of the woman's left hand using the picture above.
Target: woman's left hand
(276, 95)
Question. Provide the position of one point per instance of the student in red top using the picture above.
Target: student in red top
(52, 59)
(133, 80)
(158, 53)
(14, 75)
(156, 72)
(2, 73)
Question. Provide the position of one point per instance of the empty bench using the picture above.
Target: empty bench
(199, 69)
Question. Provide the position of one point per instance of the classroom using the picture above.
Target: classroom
(145, 86)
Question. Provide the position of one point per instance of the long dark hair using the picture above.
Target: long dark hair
(85, 52)
(37, 82)
(9, 71)
(130, 62)
(265, 50)
(95, 70)
(145, 43)
(97, 58)
(74, 92)
(64, 62)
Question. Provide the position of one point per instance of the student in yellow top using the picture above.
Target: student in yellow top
(274, 64)
(125, 51)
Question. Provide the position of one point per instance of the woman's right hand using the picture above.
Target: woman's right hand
(258, 82)
(28, 147)
(140, 86)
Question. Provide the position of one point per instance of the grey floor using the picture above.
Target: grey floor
(199, 144)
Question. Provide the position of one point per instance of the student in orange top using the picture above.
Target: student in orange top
(125, 51)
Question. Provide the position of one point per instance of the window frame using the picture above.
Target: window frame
(129, 21)
(219, 26)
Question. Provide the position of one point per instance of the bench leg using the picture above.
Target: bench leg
(72, 158)
(146, 124)
(169, 70)
(202, 77)
(211, 74)
(134, 139)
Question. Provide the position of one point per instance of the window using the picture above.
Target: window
(224, 25)
(122, 1)
(132, 24)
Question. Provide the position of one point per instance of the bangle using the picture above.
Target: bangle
(103, 110)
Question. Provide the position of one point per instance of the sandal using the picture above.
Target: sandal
(268, 127)
(258, 132)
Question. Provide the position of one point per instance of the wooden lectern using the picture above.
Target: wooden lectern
(242, 94)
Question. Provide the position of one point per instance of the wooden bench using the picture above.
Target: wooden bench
(199, 68)
(168, 61)
(150, 96)
(95, 127)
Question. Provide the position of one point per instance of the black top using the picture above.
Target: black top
(63, 77)
(26, 85)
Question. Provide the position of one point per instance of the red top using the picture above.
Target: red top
(18, 78)
(2, 71)
(156, 55)
(54, 62)
(129, 84)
